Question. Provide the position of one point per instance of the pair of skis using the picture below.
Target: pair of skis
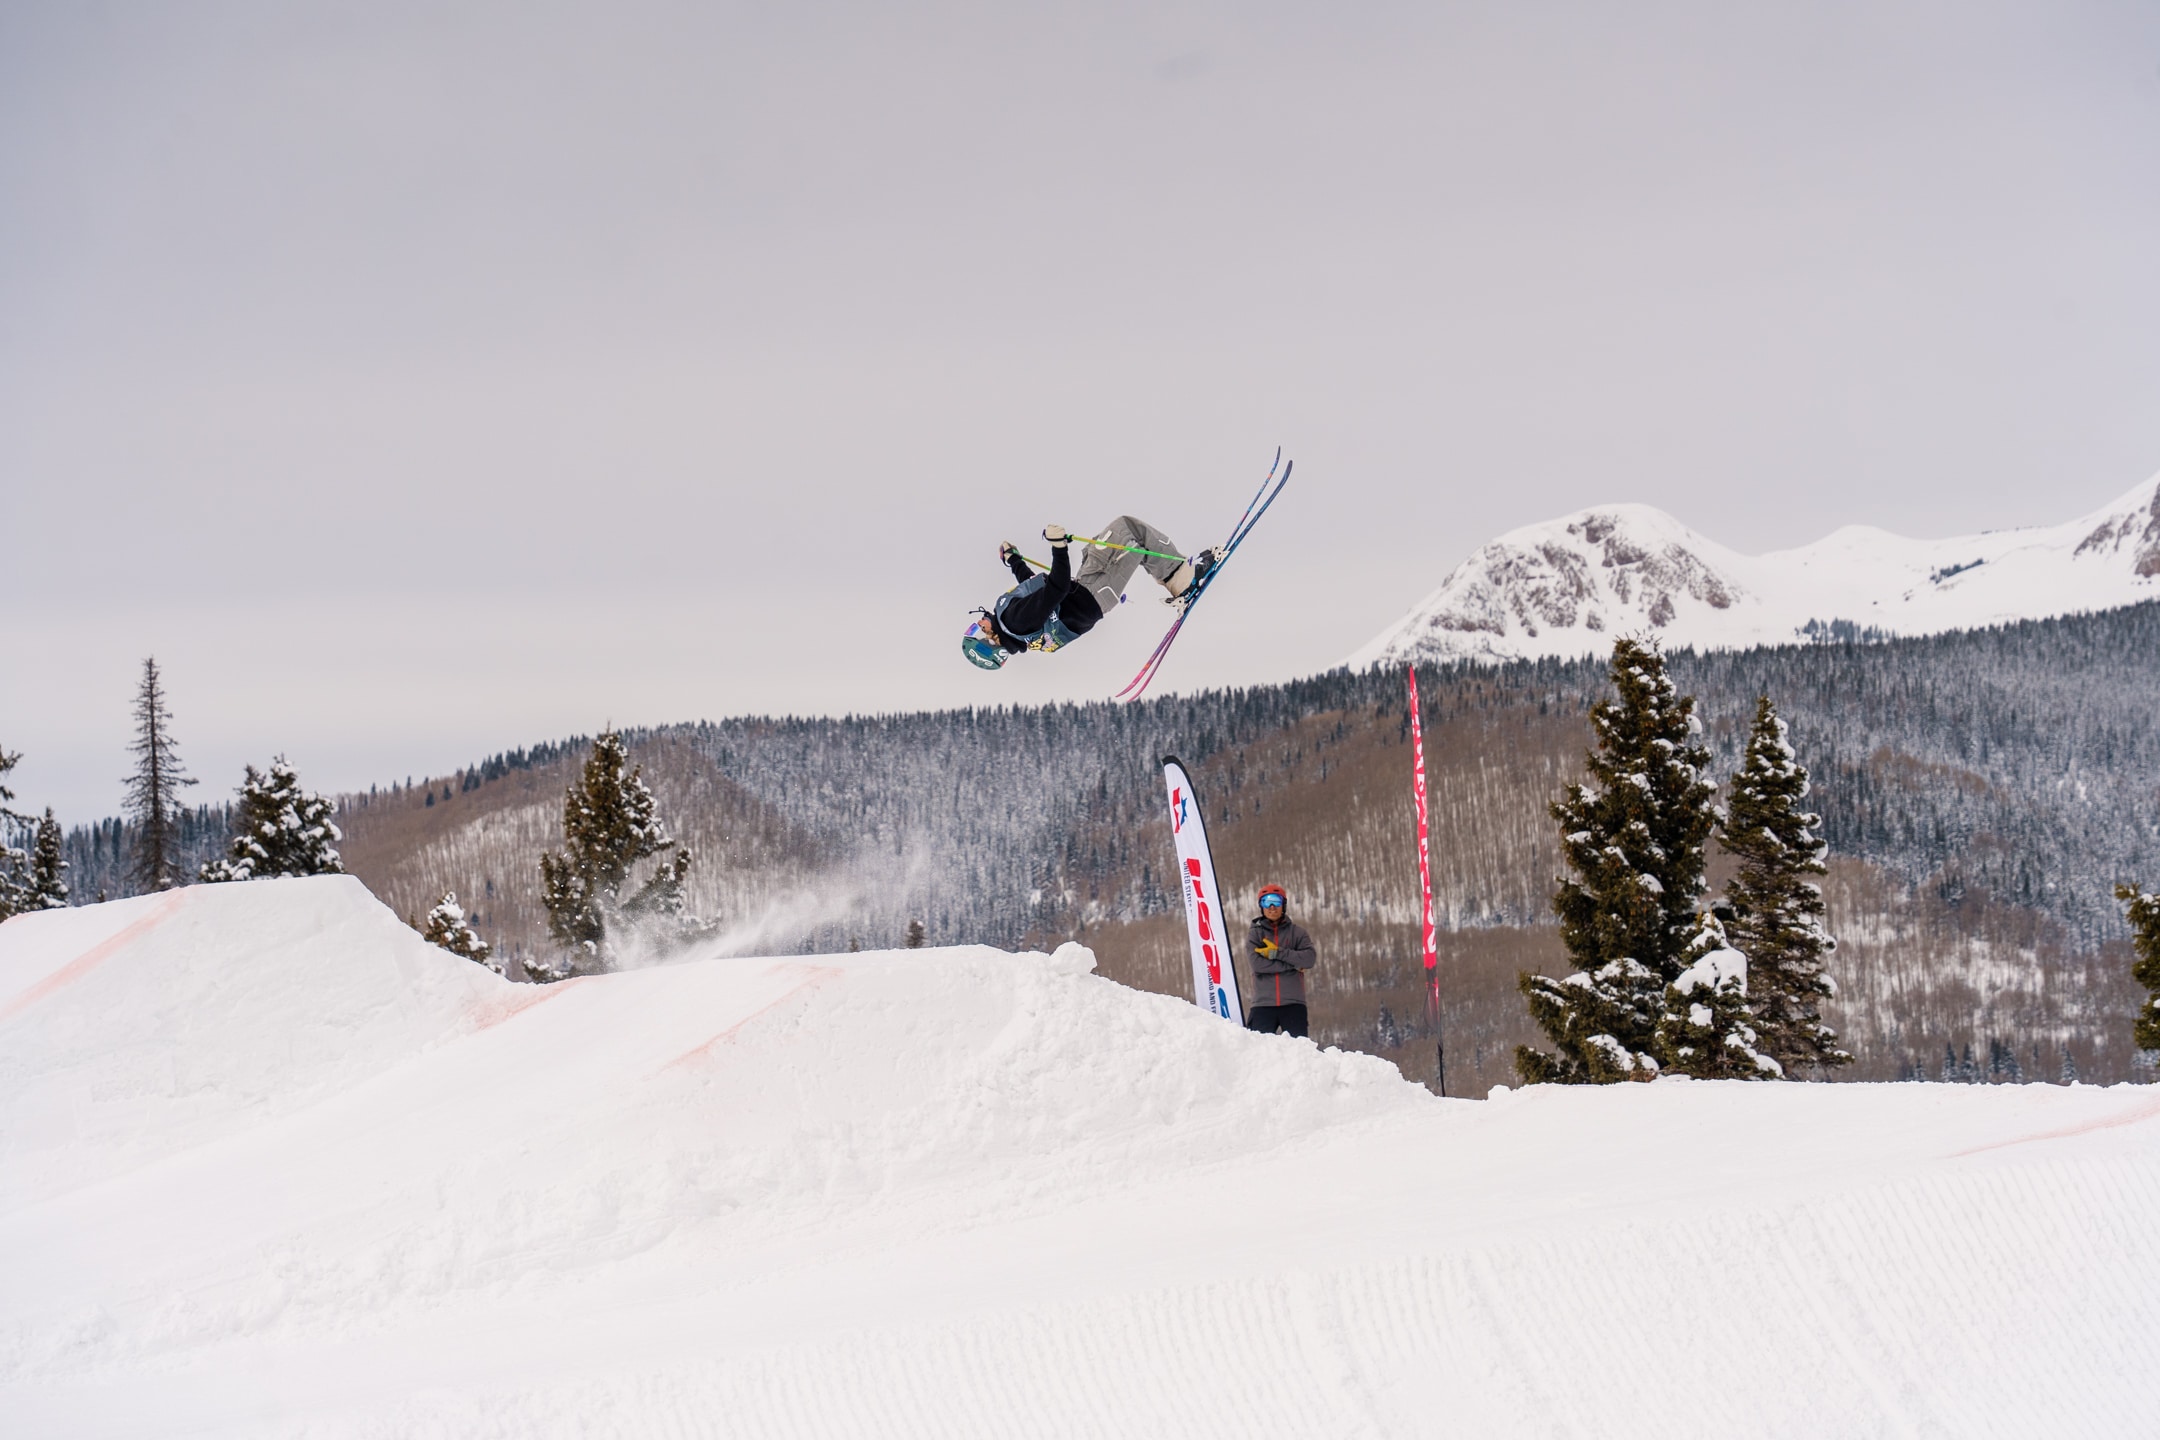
(1258, 506)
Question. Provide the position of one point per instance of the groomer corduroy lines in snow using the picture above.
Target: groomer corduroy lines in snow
(1281, 952)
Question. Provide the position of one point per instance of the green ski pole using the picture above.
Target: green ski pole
(1110, 545)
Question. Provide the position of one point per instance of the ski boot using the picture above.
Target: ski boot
(1189, 578)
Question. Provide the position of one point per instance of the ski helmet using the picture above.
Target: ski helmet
(981, 646)
(1277, 892)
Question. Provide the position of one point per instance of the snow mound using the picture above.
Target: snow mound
(1564, 588)
(150, 1025)
(143, 1026)
(273, 1167)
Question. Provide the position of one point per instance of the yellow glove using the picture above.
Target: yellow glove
(1267, 949)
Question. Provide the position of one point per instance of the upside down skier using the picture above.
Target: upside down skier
(1050, 610)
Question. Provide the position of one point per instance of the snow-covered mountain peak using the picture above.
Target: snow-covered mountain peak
(2130, 526)
(1565, 587)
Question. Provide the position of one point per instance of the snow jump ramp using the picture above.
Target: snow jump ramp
(272, 1166)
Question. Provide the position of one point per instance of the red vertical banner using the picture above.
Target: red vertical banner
(1424, 858)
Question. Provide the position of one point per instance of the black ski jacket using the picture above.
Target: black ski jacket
(1280, 981)
(1025, 615)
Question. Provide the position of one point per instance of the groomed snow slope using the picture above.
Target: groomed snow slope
(270, 1166)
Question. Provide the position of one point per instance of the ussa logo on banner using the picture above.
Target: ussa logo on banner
(1206, 919)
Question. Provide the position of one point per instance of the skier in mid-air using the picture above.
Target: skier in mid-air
(1051, 610)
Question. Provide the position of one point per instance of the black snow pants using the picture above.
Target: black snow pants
(1277, 1020)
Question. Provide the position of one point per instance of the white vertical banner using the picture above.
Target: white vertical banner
(1206, 922)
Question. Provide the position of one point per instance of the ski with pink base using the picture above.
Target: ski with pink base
(1258, 506)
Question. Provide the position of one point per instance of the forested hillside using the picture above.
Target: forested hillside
(1981, 793)
(101, 857)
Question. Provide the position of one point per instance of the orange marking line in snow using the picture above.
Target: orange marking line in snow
(90, 959)
(487, 1014)
(818, 975)
(2132, 1116)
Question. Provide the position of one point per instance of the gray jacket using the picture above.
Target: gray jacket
(1280, 981)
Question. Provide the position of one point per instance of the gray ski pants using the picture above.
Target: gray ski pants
(1105, 572)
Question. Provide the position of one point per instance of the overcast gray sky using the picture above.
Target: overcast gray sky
(417, 381)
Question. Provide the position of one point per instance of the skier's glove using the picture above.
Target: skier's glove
(1055, 534)
(1006, 551)
(1267, 949)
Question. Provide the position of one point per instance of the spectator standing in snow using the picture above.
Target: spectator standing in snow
(1281, 952)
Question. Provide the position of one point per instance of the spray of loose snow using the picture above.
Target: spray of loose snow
(865, 897)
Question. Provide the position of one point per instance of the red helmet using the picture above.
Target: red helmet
(1277, 892)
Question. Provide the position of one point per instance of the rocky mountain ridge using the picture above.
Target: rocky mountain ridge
(1563, 588)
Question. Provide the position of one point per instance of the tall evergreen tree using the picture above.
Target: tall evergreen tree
(2144, 914)
(153, 790)
(1777, 908)
(447, 927)
(48, 887)
(279, 829)
(1634, 837)
(610, 823)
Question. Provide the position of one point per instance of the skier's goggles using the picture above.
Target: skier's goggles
(1271, 902)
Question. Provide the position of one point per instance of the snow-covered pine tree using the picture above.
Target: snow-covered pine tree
(1708, 1030)
(153, 790)
(2143, 910)
(1634, 838)
(48, 888)
(447, 927)
(14, 880)
(1777, 908)
(610, 823)
(279, 829)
